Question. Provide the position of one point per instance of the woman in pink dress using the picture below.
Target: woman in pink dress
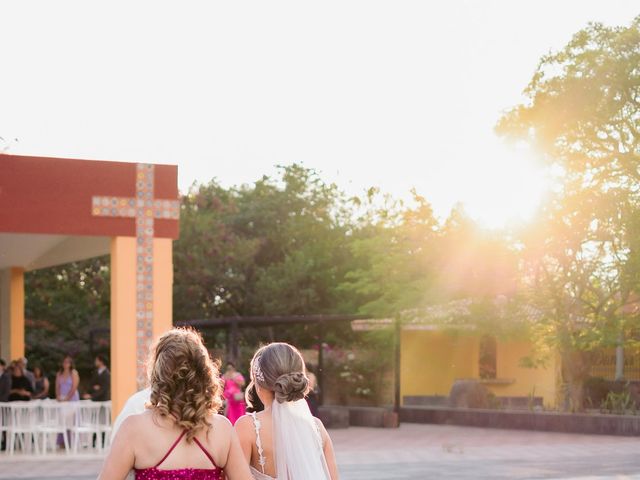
(179, 436)
(233, 384)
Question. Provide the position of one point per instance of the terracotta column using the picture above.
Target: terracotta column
(123, 321)
(12, 313)
(124, 358)
(162, 285)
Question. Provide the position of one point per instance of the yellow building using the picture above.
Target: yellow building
(440, 345)
(433, 359)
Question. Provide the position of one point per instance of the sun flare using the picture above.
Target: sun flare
(508, 187)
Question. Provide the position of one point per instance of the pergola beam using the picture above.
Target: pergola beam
(269, 320)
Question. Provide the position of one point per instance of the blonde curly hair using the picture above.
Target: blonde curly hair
(185, 382)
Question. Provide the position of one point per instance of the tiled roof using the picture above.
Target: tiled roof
(456, 314)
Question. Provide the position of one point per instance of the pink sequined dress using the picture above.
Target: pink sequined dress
(155, 473)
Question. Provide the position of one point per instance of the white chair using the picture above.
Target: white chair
(5, 421)
(86, 423)
(22, 426)
(53, 422)
(104, 425)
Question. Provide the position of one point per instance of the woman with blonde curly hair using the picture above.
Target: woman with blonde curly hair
(284, 441)
(180, 435)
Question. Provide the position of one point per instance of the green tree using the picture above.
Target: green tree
(275, 247)
(62, 306)
(213, 261)
(582, 115)
(394, 255)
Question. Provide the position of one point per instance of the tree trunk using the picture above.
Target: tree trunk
(575, 370)
(577, 395)
(620, 358)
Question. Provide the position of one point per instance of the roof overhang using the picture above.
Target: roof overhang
(34, 251)
(58, 210)
(372, 324)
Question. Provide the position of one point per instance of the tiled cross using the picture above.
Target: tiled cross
(144, 208)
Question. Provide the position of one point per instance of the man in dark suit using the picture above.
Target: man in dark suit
(5, 381)
(5, 390)
(100, 385)
(27, 373)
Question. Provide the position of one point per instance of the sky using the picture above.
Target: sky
(393, 94)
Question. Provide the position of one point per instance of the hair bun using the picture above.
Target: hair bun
(290, 387)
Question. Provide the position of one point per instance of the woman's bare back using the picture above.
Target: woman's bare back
(155, 436)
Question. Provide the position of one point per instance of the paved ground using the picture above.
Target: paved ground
(426, 452)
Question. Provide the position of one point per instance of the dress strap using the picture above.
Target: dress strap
(206, 452)
(175, 444)
(256, 424)
(319, 433)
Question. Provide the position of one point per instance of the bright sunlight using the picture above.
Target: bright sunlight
(505, 187)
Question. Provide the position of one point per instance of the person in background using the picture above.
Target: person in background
(135, 404)
(5, 381)
(313, 397)
(100, 382)
(67, 381)
(233, 385)
(5, 390)
(21, 389)
(22, 361)
(42, 383)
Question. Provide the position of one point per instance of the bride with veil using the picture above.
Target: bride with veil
(284, 441)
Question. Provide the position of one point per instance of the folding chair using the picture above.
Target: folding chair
(85, 423)
(5, 421)
(22, 427)
(104, 425)
(53, 422)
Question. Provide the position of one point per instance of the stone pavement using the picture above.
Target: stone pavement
(438, 451)
(426, 452)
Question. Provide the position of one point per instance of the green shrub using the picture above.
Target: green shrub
(621, 403)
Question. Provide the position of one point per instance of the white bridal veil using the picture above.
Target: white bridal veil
(297, 443)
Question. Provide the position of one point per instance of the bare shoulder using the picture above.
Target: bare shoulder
(244, 424)
(140, 419)
(323, 431)
(220, 425)
(320, 424)
(131, 425)
(219, 437)
(246, 419)
(220, 422)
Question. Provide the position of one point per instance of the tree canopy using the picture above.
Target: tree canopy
(288, 245)
(582, 115)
